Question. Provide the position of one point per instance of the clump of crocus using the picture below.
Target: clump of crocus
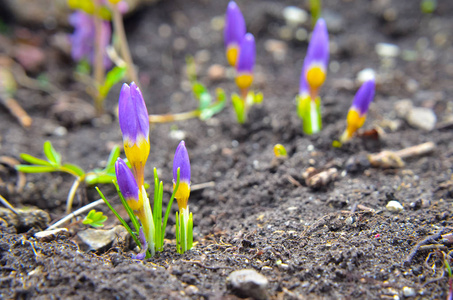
(240, 53)
(234, 32)
(359, 108)
(184, 220)
(312, 77)
(134, 124)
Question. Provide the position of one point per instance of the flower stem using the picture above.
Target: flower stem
(124, 47)
(99, 71)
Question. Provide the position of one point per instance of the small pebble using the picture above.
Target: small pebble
(365, 75)
(97, 239)
(394, 206)
(216, 72)
(294, 16)
(387, 50)
(248, 283)
(409, 292)
(177, 135)
(422, 118)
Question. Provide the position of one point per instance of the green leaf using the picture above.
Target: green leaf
(239, 108)
(202, 95)
(35, 169)
(114, 76)
(216, 107)
(114, 154)
(95, 219)
(35, 161)
(76, 169)
(52, 155)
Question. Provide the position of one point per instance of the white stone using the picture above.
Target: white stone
(394, 206)
(409, 292)
(294, 16)
(387, 50)
(365, 75)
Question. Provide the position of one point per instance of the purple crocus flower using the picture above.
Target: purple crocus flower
(359, 108)
(246, 62)
(83, 37)
(316, 61)
(134, 124)
(363, 97)
(234, 32)
(127, 184)
(181, 161)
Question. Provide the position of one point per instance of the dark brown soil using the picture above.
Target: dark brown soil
(259, 214)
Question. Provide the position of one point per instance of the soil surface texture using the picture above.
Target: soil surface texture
(337, 238)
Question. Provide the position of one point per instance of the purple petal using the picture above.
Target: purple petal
(363, 97)
(318, 48)
(132, 113)
(182, 162)
(234, 25)
(126, 181)
(247, 54)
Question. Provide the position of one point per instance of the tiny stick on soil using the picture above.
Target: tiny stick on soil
(17, 111)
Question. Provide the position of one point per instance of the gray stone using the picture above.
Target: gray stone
(99, 239)
(422, 118)
(248, 283)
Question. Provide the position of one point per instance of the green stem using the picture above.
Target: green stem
(124, 47)
(99, 72)
(167, 212)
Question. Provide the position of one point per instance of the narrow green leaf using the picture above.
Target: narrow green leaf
(76, 169)
(119, 218)
(114, 154)
(52, 155)
(239, 108)
(35, 169)
(33, 160)
(114, 76)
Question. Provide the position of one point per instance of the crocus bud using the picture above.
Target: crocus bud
(234, 32)
(316, 61)
(134, 124)
(83, 38)
(127, 184)
(182, 162)
(246, 62)
(359, 108)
